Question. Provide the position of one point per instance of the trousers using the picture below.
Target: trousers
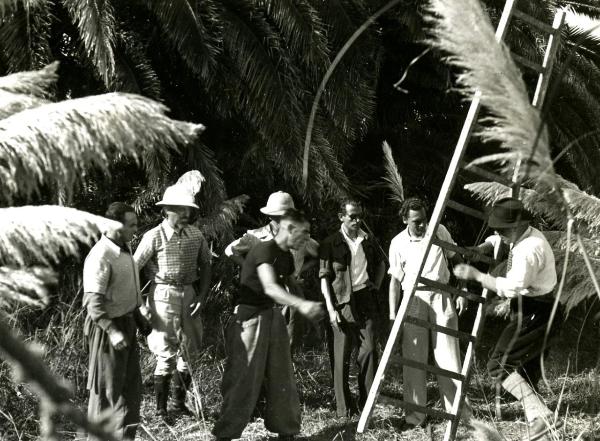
(355, 331)
(114, 378)
(438, 308)
(176, 336)
(258, 352)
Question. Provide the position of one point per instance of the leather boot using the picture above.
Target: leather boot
(161, 390)
(181, 382)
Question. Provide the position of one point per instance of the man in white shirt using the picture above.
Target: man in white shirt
(529, 283)
(427, 304)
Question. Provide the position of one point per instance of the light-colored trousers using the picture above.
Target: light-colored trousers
(176, 336)
(258, 353)
(434, 307)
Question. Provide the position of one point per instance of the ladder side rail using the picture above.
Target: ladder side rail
(460, 393)
(447, 186)
(549, 59)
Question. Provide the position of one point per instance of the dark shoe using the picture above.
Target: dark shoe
(181, 384)
(541, 427)
(161, 391)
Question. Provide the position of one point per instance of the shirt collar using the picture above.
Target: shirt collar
(410, 237)
(113, 247)
(169, 230)
(359, 237)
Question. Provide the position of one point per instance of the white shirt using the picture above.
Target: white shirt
(533, 269)
(405, 254)
(358, 260)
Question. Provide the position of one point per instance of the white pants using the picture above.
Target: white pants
(176, 335)
(434, 307)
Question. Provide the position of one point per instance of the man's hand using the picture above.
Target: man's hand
(117, 339)
(334, 319)
(311, 310)
(461, 305)
(466, 272)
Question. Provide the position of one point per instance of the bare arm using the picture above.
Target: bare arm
(268, 279)
(334, 318)
(395, 294)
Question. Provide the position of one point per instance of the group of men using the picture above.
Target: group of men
(175, 259)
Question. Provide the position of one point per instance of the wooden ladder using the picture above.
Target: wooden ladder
(443, 202)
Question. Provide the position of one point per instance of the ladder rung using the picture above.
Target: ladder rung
(433, 369)
(461, 250)
(450, 289)
(483, 173)
(439, 328)
(534, 21)
(426, 410)
(467, 210)
(528, 63)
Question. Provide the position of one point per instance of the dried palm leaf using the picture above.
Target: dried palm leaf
(45, 234)
(55, 143)
(392, 175)
(28, 285)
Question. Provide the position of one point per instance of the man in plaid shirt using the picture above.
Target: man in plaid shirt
(174, 255)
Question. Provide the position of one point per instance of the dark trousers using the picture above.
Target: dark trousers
(258, 353)
(356, 331)
(525, 352)
(114, 378)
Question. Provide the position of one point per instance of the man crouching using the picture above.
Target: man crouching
(258, 348)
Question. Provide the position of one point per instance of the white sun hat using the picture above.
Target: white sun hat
(178, 195)
(278, 203)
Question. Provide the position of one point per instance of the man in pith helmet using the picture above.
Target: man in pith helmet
(176, 258)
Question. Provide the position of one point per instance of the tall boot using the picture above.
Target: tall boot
(181, 382)
(161, 390)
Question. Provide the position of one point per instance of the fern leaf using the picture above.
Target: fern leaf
(219, 224)
(392, 175)
(56, 143)
(46, 233)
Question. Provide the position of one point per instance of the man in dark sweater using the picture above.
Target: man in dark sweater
(257, 343)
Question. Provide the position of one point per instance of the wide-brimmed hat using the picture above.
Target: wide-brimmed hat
(507, 213)
(278, 203)
(178, 195)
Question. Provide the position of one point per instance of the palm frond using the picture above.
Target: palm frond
(392, 175)
(28, 285)
(183, 26)
(36, 83)
(461, 29)
(11, 103)
(218, 225)
(133, 71)
(45, 234)
(56, 143)
(303, 30)
(96, 24)
(24, 35)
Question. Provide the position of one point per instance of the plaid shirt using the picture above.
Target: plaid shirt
(170, 257)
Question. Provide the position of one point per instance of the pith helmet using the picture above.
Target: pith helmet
(178, 195)
(278, 203)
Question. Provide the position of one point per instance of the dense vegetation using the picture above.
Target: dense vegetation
(72, 134)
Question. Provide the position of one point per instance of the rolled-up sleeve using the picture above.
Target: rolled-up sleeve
(524, 268)
(396, 269)
(325, 270)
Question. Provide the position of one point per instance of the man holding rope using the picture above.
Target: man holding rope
(529, 283)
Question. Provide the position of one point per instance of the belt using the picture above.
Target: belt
(177, 285)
